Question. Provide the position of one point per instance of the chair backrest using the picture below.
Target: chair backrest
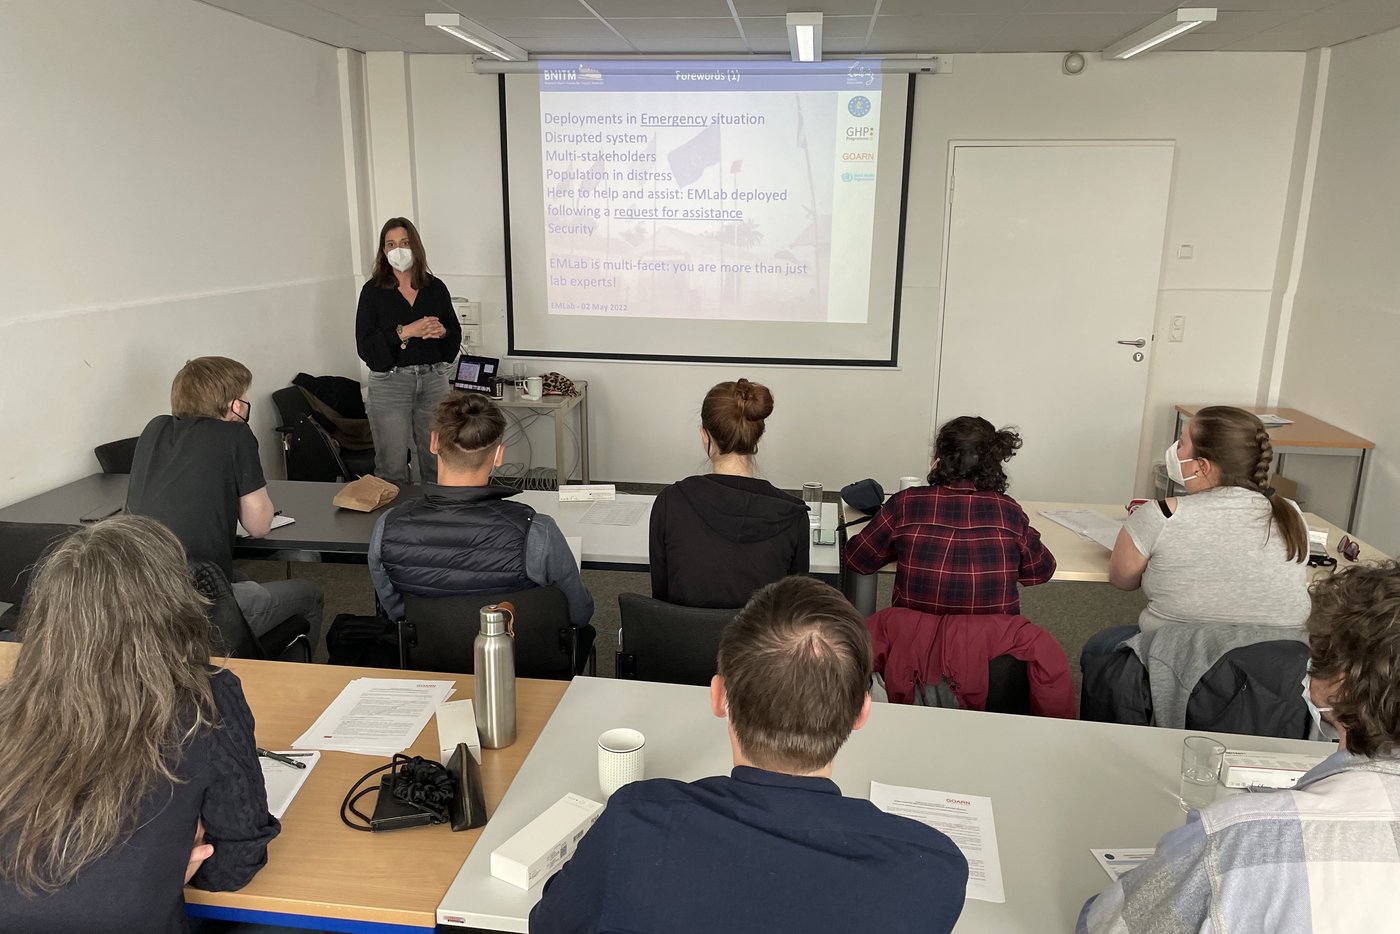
(437, 633)
(312, 454)
(22, 544)
(232, 635)
(116, 456)
(665, 642)
(291, 404)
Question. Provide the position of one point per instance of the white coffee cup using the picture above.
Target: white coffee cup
(534, 388)
(907, 482)
(620, 760)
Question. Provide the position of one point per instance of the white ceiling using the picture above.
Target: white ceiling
(742, 27)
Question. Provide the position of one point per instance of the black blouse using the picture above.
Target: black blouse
(136, 888)
(382, 310)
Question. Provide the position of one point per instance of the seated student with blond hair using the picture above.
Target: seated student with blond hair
(466, 536)
(1324, 856)
(774, 846)
(197, 472)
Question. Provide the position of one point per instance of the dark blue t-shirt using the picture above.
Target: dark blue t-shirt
(757, 851)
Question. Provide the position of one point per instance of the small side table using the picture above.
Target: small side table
(558, 408)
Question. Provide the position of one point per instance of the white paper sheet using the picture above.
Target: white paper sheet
(966, 819)
(1118, 861)
(277, 523)
(1087, 523)
(284, 781)
(1274, 420)
(614, 513)
(376, 716)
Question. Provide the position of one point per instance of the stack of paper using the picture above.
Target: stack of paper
(283, 781)
(376, 716)
(1087, 523)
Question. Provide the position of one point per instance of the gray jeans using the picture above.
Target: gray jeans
(267, 604)
(401, 405)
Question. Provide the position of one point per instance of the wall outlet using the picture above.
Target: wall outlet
(467, 312)
(1177, 332)
(471, 337)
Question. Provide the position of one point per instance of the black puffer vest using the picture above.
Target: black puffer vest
(457, 540)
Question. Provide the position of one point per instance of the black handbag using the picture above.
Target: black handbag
(419, 792)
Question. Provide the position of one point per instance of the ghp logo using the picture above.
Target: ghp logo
(859, 105)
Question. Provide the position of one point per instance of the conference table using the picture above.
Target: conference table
(1077, 558)
(1058, 788)
(321, 874)
(325, 531)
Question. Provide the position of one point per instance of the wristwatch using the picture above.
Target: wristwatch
(403, 343)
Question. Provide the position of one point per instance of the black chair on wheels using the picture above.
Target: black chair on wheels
(116, 456)
(22, 544)
(288, 641)
(437, 634)
(308, 450)
(664, 642)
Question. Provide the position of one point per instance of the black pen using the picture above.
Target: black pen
(278, 757)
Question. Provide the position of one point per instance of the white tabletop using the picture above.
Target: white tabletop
(1058, 788)
(629, 544)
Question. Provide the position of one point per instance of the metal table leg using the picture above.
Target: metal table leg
(1356, 491)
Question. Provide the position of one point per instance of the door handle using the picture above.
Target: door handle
(1137, 343)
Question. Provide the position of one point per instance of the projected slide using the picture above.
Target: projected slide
(706, 190)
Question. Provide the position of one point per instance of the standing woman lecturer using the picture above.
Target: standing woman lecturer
(408, 336)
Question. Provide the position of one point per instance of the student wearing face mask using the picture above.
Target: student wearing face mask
(1232, 551)
(408, 336)
(1320, 857)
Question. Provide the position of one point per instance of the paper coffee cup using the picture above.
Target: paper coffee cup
(620, 759)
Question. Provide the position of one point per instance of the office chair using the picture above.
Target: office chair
(288, 641)
(22, 544)
(664, 642)
(116, 456)
(437, 634)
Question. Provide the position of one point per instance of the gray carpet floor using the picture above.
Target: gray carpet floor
(1070, 611)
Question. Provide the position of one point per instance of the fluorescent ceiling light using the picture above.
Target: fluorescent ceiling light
(805, 36)
(1165, 29)
(478, 36)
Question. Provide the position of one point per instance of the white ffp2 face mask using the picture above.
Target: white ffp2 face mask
(1327, 730)
(401, 258)
(1173, 464)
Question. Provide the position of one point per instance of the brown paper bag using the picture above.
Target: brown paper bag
(366, 494)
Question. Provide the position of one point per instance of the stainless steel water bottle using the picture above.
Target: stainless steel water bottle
(493, 664)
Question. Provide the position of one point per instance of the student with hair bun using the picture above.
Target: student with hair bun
(718, 537)
(960, 544)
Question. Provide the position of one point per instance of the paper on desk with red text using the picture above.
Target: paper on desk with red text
(376, 716)
(965, 819)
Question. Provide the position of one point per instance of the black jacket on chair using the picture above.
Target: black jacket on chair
(457, 540)
(715, 539)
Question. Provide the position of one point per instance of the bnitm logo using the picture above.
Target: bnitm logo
(560, 74)
(580, 74)
(859, 105)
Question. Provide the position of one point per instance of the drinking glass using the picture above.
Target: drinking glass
(1201, 758)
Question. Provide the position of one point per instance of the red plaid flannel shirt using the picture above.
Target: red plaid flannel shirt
(958, 549)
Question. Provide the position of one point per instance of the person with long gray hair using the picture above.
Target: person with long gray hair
(129, 763)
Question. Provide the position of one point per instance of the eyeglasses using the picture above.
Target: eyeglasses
(1348, 548)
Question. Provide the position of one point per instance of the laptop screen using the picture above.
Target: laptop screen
(475, 374)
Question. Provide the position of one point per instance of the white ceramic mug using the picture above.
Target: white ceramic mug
(620, 759)
(907, 482)
(534, 388)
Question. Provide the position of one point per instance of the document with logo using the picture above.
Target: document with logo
(376, 716)
(965, 819)
(1117, 862)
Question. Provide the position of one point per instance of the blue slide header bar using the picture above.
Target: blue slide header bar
(563, 75)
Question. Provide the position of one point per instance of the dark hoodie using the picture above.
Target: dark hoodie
(715, 539)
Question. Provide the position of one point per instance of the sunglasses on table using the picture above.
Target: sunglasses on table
(1349, 549)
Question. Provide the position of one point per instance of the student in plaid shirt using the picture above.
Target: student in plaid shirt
(1322, 857)
(961, 543)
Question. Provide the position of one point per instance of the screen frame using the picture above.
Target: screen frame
(892, 361)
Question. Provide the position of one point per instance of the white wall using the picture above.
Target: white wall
(1345, 330)
(1233, 116)
(174, 185)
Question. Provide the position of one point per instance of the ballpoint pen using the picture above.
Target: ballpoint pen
(278, 757)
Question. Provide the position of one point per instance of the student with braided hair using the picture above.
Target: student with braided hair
(1231, 551)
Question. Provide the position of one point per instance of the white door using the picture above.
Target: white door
(1054, 256)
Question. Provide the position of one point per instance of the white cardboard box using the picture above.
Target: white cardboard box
(1264, 769)
(537, 851)
(456, 723)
